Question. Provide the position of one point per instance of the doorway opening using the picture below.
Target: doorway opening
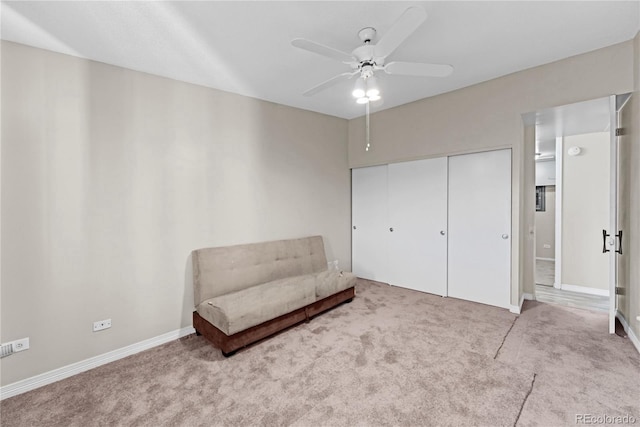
(573, 167)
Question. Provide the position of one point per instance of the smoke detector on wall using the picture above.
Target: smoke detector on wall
(574, 151)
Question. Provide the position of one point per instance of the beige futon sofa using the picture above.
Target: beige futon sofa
(247, 292)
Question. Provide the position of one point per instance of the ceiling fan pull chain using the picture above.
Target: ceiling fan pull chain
(367, 132)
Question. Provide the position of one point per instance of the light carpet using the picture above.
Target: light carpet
(391, 357)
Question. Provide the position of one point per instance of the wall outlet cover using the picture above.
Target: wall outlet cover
(101, 324)
(21, 345)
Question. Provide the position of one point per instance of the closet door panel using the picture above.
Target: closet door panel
(479, 261)
(369, 220)
(418, 217)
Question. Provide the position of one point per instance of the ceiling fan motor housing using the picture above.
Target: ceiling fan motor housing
(367, 34)
(366, 69)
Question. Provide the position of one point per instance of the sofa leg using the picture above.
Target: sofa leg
(231, 353)
(349, 300)
(198, 333)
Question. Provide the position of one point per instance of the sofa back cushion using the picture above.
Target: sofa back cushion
(219, 271)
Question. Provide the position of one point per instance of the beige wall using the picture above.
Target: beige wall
(488, 116)
(585, 210)
(633, 310)
(111, 177)
(528, 207)
(546, 226)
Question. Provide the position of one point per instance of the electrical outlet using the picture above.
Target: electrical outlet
(21, 345)
(101, 324)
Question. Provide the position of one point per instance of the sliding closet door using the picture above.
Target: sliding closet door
(370, 223)
(418, 218)
(480, 227)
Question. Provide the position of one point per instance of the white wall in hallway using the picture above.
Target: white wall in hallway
(585, 210)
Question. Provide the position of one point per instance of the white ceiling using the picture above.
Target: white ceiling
(244, 47)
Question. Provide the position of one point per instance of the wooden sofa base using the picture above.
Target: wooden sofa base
(230, 343)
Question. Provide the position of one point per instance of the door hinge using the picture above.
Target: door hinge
(620, 131)
(620, 291)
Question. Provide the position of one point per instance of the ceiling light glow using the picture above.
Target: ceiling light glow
(359, 89)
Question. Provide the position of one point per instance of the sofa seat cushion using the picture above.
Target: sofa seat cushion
(332, 281)
(240, 310)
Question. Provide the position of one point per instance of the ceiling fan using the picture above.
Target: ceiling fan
(369, 58)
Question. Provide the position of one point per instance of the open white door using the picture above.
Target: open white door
(608, 240)
(620, 201)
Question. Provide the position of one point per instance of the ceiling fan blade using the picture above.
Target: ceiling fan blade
(418, 69)
(332, 81)
(322, 50)
(408, 22)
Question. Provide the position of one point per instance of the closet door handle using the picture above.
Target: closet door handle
(604, 242)
(391, 229)
(442, 232)
(619, 236)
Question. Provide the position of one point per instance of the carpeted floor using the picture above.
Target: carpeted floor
(391, 357)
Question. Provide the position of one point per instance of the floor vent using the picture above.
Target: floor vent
(6, 350)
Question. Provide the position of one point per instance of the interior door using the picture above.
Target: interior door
(620, 208)
(418, 225)
(369, 220)
(479, 261)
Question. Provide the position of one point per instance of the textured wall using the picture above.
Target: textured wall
(111, 177)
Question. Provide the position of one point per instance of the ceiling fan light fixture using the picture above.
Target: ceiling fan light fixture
(362, 100)
(372, 87)
(373, 93)
(358, 93)
(374, 97)
(359, 90)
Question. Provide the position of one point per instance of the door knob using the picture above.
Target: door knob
(442, 232)
(354, 227)
(391, 229)
(505, 236)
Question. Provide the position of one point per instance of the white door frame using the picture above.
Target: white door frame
(557, 282)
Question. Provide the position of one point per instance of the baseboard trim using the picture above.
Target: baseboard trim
(529, 297)
(629, 331)
(58, 374)
(585, 290)
(517, 309)
(545, 259)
